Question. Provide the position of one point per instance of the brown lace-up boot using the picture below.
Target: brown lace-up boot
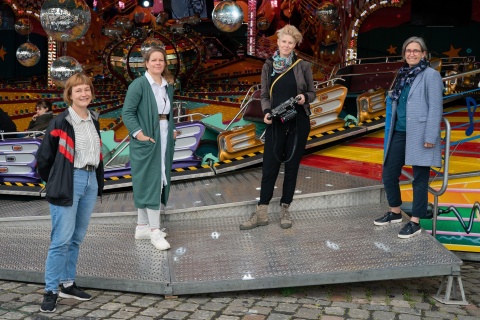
(258, 218)
(285, 220)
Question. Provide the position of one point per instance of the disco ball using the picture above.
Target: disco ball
(112, 31)
(139, 33)
(124, 23)
(227, 16)
(28, 54)
(149, 44)
(162, 18)
(263, 23)
(327, 12)
(65, 20)
(23, 26)
(63, 68)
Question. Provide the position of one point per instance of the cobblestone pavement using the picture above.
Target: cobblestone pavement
(396, 300)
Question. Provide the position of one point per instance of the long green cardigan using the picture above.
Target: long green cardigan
(140, 112)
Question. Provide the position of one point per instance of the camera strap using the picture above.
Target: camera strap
(293, 65)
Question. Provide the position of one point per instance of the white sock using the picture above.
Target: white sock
(67, 284)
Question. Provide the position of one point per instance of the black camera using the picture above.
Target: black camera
(285, 111)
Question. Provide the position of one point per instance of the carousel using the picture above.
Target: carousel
(216, 52)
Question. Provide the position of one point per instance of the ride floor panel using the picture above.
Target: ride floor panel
(336, 242)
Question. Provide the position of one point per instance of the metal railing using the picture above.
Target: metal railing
(443, 188)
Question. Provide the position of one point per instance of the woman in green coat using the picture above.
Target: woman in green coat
(147, 113)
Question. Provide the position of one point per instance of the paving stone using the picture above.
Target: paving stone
(281, 299)
(167, 304)
(438, 314)
(242, 302)
(259, 310)
(254, 317)
(235, 311)
(344, 304)
(31, 297)
(221, 300)
(187, 307)
(334, 311)
(142, 318)
(12, 305)
(153, 312)
(264, 303)
(100, 313)
(382, 315)
(143, 302)
(89, 305)
(123, 315)
(13, 315)
(9, 296)
(328, 317)
(358, 313)
(112, 306)
(203, 315)
(222, 317)
(279, 316)
(307, 313)
(213, 306)
(76, 312)
(25, 289)
(125, 299)
(176, 315)
(287, 307)
(408, 317)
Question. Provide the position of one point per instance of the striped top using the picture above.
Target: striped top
(87, 141)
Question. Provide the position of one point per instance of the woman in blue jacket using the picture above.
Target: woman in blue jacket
(414, 135)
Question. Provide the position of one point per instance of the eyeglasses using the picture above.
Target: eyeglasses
(414, 51)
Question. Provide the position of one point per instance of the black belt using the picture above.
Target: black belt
(163, 116)
(88, 167)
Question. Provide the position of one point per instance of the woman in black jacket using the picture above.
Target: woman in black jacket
(70, 162)
(284, 76)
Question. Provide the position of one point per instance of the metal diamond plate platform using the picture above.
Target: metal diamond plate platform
(333, 239)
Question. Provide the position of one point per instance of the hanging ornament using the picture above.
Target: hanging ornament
(28, 54)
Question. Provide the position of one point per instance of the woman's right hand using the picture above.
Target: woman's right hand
(266, 120)
(141, 137)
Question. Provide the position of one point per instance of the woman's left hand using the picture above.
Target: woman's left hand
(301, 98)
(428, 145)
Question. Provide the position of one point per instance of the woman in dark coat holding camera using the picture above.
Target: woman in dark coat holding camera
(284, 76)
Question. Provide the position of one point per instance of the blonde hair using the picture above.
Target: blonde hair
(292, 31)
(76, 80)
(167, 74)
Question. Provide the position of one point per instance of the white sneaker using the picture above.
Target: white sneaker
(143, 233)
(157, 238)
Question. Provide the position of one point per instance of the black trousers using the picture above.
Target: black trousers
(392, 169)
(281, 141)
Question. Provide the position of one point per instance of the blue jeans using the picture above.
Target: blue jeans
(69, 226)
(392, 170)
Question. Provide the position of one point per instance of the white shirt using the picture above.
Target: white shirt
(87, 142)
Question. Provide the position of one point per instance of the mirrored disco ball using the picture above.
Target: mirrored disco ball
(124, 23)
(28, 54)
(263, 23)
(63, 68)
(65, 20)
(327, 12)
(227, 16)
(23, 26)
(113, 32)
(150, 43)
(162, 18)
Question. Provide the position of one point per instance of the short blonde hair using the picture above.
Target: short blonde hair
(292, 31)
(167, 74)
(76, 80)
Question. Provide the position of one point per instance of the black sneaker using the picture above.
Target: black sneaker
(74, 292)
(389, 217)
(49, 303)
(409, 230)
